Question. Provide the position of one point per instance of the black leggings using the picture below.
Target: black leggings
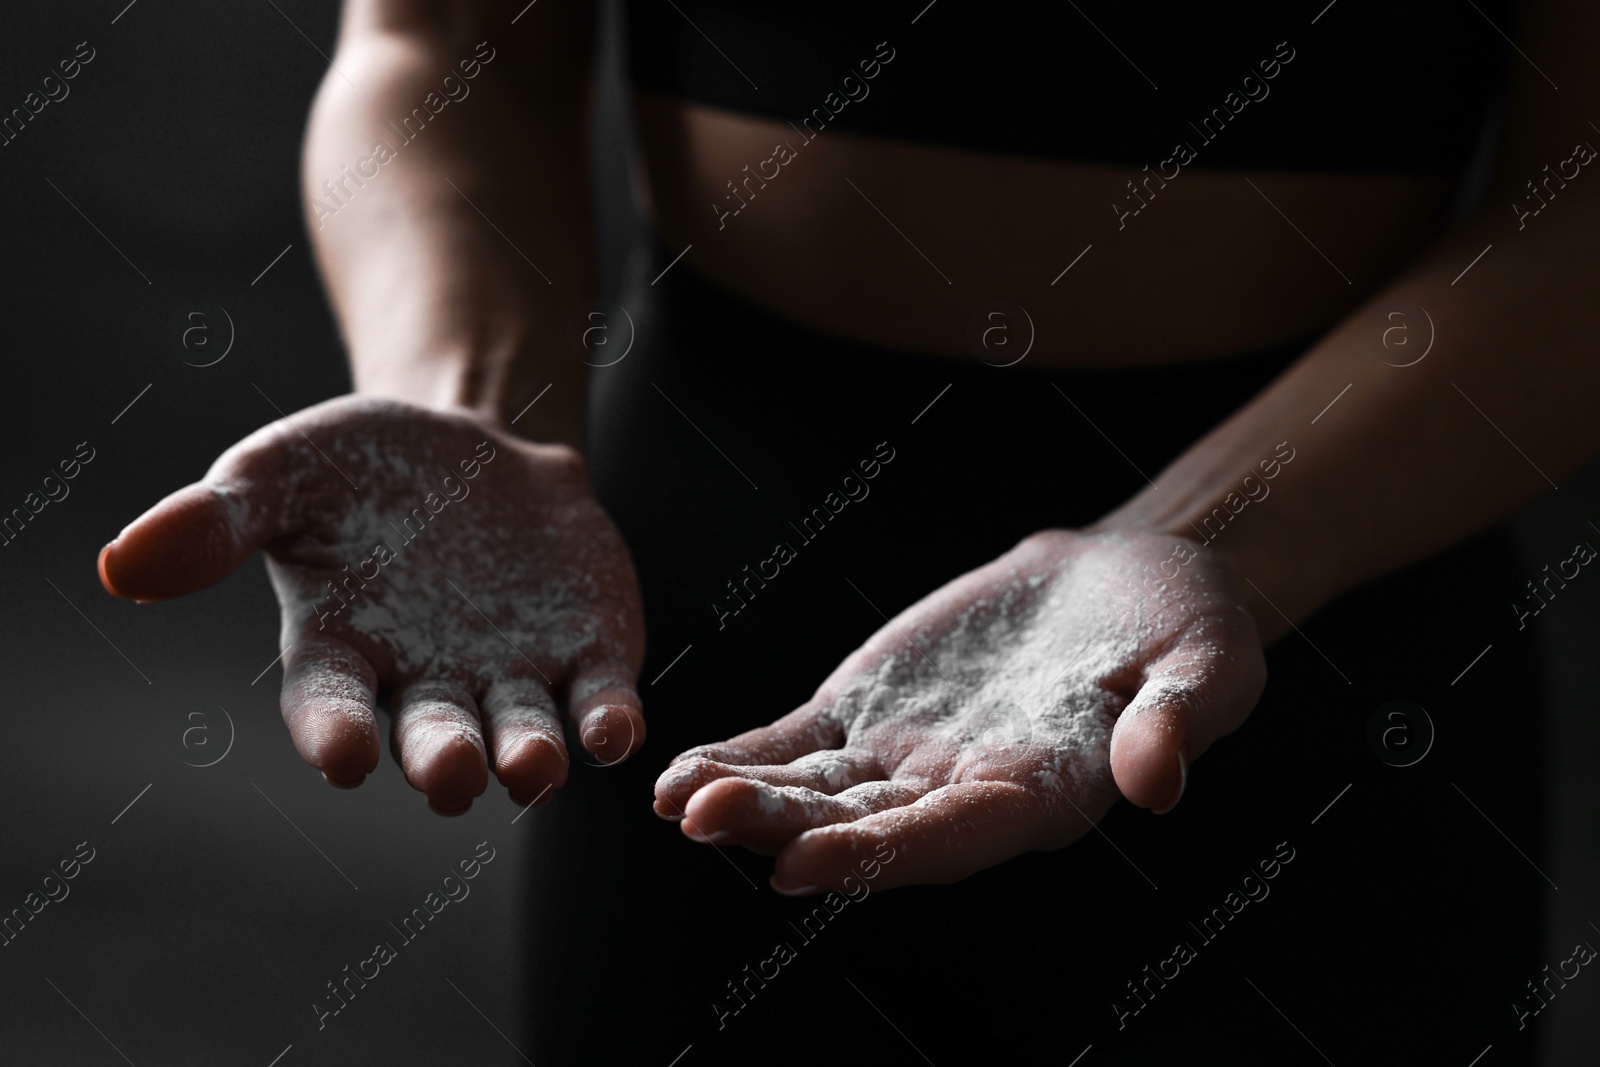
(1395, 926)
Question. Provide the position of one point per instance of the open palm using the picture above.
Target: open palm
(1003, 713)
(428, 562)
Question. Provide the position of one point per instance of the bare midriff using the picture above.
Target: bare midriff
(902, 244)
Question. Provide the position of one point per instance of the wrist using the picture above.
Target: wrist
(541, 400)
(1282, 576)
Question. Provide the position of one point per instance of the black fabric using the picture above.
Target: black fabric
(1368, 87)
(1396, 933)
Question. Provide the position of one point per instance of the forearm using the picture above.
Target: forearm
(454, 246)
(1410, 458)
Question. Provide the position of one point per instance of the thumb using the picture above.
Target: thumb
(1199, 692)
(200, 534)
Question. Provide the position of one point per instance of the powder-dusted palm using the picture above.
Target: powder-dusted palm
(1001, 714)
(475, 580)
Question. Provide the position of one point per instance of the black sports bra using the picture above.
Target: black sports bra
(1349, 86)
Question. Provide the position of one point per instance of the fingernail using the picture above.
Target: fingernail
(791, 891)
(710, 839)
(1183, 783)
(100, 565)
(342, 783)
(440, 809)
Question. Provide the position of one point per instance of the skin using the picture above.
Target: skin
(1413, 459)
(443, 311)
(810, 247)
(957, 774)
(512, 599)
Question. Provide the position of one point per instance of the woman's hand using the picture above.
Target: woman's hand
(460, 575)
(1002, 713)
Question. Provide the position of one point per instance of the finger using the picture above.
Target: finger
(764, 818)
(1200, 691)
(327, 703)
(950, 833)
(829, 771)
(605, 711)
(201, 533)
(439, 743)
(525, 744)
(806, 729)
(185, 543)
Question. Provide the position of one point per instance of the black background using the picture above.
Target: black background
(207, 923)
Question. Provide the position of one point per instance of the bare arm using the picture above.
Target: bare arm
(1408, 461)
(451, 218)
(947, 773)
(444, 159)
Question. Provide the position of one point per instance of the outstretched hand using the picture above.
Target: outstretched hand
(1001, 714)
(429, 562)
